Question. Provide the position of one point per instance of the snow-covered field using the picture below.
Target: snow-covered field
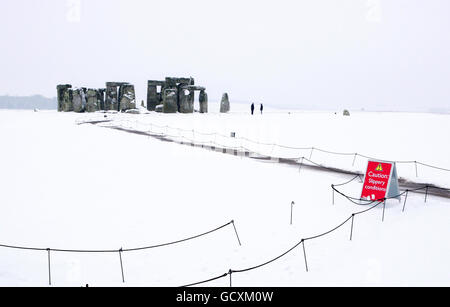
(68, 186)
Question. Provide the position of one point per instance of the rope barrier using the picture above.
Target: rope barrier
(358, 200)
(206, 281)
(276, 145)
(431, 166)
(292, 147)
(335, 153)
(270, 261)
(350, 181)
(236, 150)
(121, 250)
(302, 242)
(179, 241)
(328, 232)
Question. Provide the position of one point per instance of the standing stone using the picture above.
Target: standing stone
(170, 101)
(127, 97)
(203, 99)
(61, 90)
(111, 102)
(186, 99)
(79, 100)
(67, 103)
(152, 97)
(83, 98)
(155, 97)
(225, 104)
(191, 101)
(101, 98)
(92, 101)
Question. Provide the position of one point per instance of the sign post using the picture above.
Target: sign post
(381, 181)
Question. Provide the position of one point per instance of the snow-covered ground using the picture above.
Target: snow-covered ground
(68, 186)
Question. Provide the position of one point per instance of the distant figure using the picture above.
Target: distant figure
(262, 108)
(253, 108)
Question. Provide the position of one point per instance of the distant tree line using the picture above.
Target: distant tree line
(28, 102)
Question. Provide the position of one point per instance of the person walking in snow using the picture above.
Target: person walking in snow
(262, 108)
(253, 108)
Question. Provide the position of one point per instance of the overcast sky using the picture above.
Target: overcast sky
(317, 53)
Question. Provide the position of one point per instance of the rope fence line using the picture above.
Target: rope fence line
(119, 251)
(236, 149)
(373, 204)
(206, 281)
(272, 145)
(300, 243)
(358, 201)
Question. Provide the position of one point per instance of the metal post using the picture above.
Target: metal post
(384, 208)
(417, 172)
(231, 281)
(121, 265)
(332, 188)
(301, 165)
(235, 230)
(351, 233)
(304, 253)
(292, 209)
(49, 268)
(406, 198)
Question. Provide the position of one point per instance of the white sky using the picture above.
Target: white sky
(317, 53)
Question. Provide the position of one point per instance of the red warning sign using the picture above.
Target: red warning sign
(377, 180)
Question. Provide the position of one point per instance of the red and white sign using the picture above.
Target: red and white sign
(377, 180)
